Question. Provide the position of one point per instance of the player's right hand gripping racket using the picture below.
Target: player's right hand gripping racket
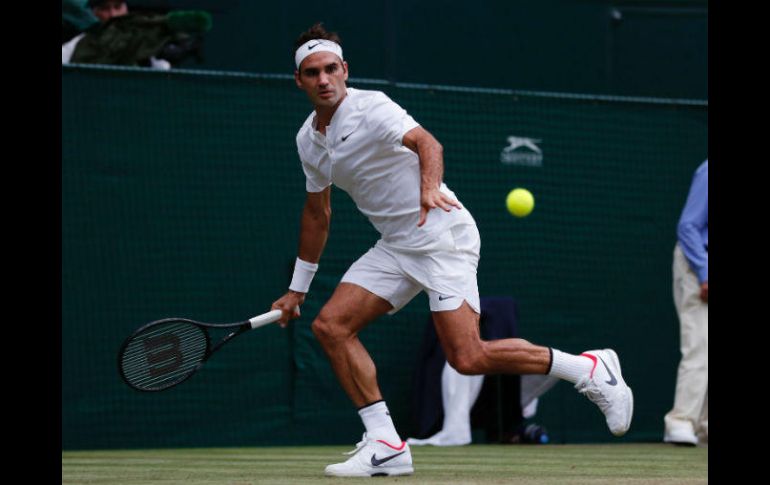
(164, 353)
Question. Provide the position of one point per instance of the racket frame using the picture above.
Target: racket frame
(240, 327)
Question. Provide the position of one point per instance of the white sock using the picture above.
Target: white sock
(569, 367)
(379, 425)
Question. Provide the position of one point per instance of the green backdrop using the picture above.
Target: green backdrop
(628, 47)
(624, 47)
(181, 196)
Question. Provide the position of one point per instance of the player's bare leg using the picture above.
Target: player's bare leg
(381, 451)
(458, 332)
(346, 313)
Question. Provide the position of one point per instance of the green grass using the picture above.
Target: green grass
(466, 465)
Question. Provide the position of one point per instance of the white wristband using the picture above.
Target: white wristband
(303, 275)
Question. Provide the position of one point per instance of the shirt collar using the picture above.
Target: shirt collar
(340, 118)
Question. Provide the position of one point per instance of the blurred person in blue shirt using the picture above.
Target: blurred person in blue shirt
(687, 423)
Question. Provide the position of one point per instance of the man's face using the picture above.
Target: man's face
(111, 8)
(322, 76)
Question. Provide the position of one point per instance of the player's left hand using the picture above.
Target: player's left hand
(430, 199)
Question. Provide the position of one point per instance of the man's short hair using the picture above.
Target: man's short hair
(317, 31)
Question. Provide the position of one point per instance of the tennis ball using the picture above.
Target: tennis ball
(520, 202)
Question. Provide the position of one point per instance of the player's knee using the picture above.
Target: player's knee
(326, 328)
(322, 329)
(468, 362)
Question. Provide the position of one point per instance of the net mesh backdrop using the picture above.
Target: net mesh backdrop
(181, 197)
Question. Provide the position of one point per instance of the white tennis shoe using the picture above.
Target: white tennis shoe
(373, 458)
(605, 386)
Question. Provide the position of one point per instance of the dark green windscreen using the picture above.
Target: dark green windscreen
(181, 196)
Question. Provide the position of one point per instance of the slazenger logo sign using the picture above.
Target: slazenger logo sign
(522, 151)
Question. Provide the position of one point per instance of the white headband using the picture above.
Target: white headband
(316, 45)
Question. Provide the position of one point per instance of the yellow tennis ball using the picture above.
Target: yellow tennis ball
(520, 202)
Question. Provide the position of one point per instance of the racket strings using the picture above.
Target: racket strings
(163, 355)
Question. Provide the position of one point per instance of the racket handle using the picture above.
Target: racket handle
(265, 318)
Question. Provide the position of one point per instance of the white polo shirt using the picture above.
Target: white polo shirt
(363, 154)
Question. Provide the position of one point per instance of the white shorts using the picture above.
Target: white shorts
(447, 272)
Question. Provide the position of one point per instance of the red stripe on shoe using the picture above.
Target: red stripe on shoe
(399, 448)
(592, 357)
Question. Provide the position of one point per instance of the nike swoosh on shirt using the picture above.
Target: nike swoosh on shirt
(376, 462)
(612, 380)
(346, 136)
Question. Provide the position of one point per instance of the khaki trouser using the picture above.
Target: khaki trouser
(692, 381)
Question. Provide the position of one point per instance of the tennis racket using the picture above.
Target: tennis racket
(164, 353)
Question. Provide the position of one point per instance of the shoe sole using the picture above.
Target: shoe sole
(394, 472)
(630, 408)
(384, 472)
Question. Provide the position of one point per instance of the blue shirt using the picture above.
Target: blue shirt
(693, 228)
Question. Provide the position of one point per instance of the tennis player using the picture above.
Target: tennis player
(392, 167)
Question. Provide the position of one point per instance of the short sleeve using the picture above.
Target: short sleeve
(315, 180)
(390, 119)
